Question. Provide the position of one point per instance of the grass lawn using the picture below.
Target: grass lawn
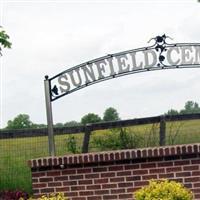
(14, 153)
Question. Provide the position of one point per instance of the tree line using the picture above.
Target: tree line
(23, 120)
(190, 107)
(110, 114)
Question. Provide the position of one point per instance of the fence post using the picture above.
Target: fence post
(162, 130)
(86, 139)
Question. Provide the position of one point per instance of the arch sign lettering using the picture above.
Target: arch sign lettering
(160, 55)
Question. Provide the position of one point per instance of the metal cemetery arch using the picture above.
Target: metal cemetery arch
(160, 55)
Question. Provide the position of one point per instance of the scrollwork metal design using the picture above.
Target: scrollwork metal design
(160, 45)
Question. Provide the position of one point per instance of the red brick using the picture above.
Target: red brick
(140, 172)
(124, 173)
(116, 168)
(39, 185)
(155, 152)
(86, 193)
(89, 176)
(125, 196)
(148, 165)
(102, 180)
(128, 155)
(141, 183)
(196, 173)
(196, 161)
(94, 198)
(167, 151)
(59, 161)
(192, 179)
(188, 185)
(117, 179)
(34, 163)
(173, 151)
(191, 168)
(76, 177)
(106, 186)
(132, 189)
(107, 157)
(157, 171)
(165, 164)
(133, 178)
(55, 161)
(68, 171)
(78, 187)
(112, 196)
(117, 156)
(171, 175)
(108, 174)
(93, 187)
(54, 184)
(53, 173)
(101, 192)
(138, 153)
(196, 185)
(35, 180)
(100, 169)
(178, 180)
(197, 196)
(62, 189)
(46, 179)
(118, 191)
(38, 174)
(183, 174)
(85, 182)
(131, 166)
(69, 183)
(47, 190)
(125, 184)
(173, 169)
(181, 162)
(61, 178)
(151, 176)
(196, 190)
(71, 194)
(84, 171)
(79, 198)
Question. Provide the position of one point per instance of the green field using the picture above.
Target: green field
(14, 153)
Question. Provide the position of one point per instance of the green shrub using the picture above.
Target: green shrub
(72, 145)
(163, 190)
(119, 138)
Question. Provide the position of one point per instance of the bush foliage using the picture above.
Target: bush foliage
(13, 195)
(163, 190)
(53, 196)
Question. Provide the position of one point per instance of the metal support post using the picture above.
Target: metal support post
(49, 117)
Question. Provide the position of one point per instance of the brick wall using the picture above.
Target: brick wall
(117, 174)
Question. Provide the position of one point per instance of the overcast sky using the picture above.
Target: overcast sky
(51, 36)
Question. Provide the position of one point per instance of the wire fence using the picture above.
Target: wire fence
(18, 146)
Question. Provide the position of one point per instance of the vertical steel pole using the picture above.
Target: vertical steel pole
(49, 117)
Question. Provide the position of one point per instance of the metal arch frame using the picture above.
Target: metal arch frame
(160, 66)
(159, 45)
